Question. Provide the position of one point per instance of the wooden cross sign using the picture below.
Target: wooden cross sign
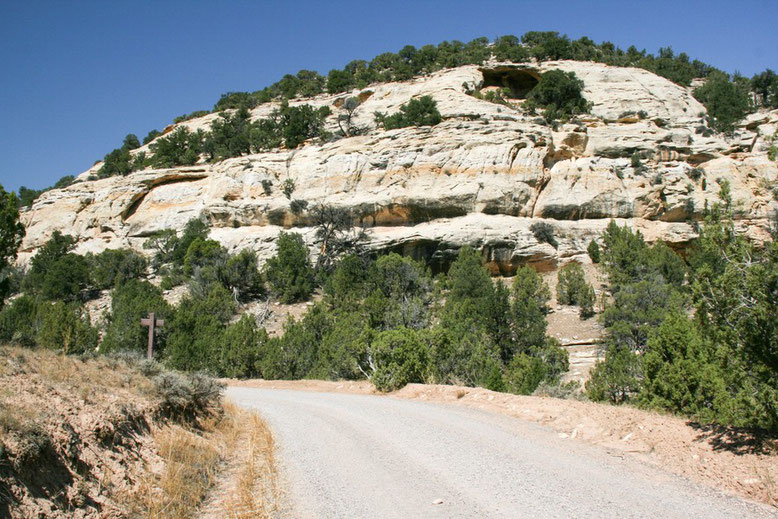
(152, 322)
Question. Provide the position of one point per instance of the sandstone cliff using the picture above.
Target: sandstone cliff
(481, 177)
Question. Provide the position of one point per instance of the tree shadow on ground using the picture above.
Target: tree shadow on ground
(737, 440)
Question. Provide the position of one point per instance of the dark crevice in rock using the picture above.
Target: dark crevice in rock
(519, 82)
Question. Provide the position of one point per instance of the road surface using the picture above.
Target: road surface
(364, 456)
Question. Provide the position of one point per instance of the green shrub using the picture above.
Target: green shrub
(594, 251)
(725, 101)
(586, 300)
(56, 247)
(229, 136)
(187, 117)
(66, 278)
(462, 352)
(294, 355)
(239, 349)
(558, 93)
(179, 148)
(289, 272)
(416, 112)
(343, 348)
(204, 254)
(399, 293)
(131, 301)
(400, 358)
(635, 161)
(529, 308)
(19, 321)
(680, 371)
(346, 286)
(153, 134)
(27, 196)
(765, 86)
(242, 276)
(299, 123)
(616, 378)
(544, 233)
(547, 45)
(113, 266)
(572, 289)
(196, 330)
(11, 234)
(65, 327)
(119, 161)
(298, 206)
(56, 273)
(524, 374)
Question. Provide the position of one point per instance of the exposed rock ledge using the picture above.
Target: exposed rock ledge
(480, 177)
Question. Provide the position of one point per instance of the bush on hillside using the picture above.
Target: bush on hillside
(559, 95)
(594, 251)
(416, 112)
(114, 266)
(11, 234)
(131, 301)
(544, 232)
(196, 330)
(289, 272)
(179, 148)
(726, 102)
(572, 289)
(530, 305)
(400, 358)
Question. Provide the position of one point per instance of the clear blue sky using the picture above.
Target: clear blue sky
(78, 75)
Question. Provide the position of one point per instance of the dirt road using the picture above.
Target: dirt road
(369, 456)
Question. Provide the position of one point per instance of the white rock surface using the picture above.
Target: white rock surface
(482, 176)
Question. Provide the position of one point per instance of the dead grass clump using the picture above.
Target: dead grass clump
(256, 492)
(250, 486)
(196, 458)
(191, 463)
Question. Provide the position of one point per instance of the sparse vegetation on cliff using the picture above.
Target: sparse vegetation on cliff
(417, 112)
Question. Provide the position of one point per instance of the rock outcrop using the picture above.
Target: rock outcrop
(480, 177)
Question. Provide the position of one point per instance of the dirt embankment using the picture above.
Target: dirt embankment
(118, 437)
(724, 459)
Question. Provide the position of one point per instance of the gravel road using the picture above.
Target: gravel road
(371, 456)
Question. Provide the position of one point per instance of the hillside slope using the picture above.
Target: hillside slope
(481, 177)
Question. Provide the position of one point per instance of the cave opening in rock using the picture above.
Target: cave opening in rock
(519, 82)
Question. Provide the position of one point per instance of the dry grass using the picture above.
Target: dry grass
(250, 488)
(191, 466)
(230, 461)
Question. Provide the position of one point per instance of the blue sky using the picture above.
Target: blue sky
(78, 75)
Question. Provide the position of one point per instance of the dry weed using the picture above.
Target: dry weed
(191, 463)
(250, 486)
(256, 493)
(236, 443)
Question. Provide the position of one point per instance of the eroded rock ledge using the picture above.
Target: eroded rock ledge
(481, 177)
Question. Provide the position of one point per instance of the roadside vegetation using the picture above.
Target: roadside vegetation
(692, 335)
(695, 337)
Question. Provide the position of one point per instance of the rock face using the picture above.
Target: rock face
(480, 177)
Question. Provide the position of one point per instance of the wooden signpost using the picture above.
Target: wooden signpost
(152, 322)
